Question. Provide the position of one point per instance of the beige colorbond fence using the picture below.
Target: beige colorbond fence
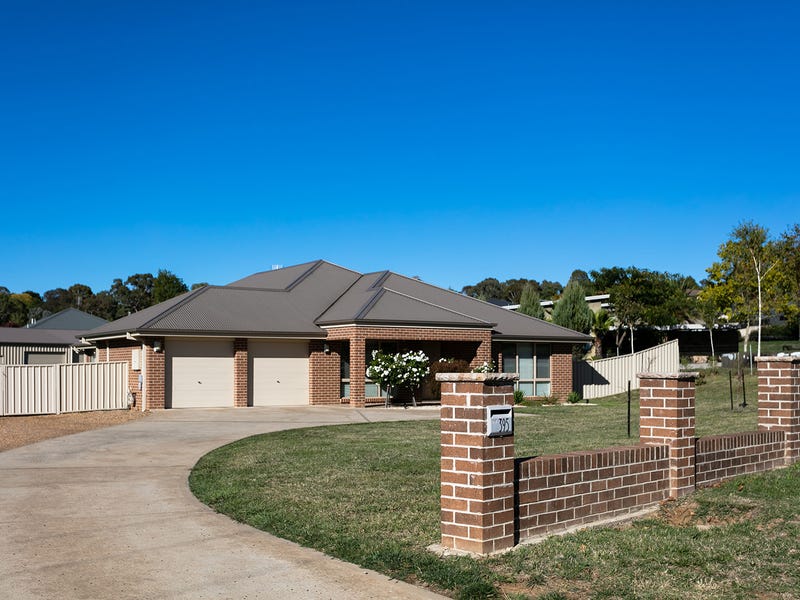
(53, 389)
(598, 378)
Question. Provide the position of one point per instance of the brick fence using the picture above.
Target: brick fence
(491, 501)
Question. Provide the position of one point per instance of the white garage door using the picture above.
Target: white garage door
(279, 373)
(200, 373)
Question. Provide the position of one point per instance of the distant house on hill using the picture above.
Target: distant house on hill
(51, 340)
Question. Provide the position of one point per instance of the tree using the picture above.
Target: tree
(197, 286)
(390, 371)
(103, 305)
(582, 277)
(788, 274)
(530, 304)
(746, 262)
(133, 295)
(514, 289)
(572, 311)
(167, 285)
(601, 325)
(643, 297)
(486, 289)
(551, 290)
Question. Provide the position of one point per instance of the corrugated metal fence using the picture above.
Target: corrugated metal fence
(49, 389)
(598, 378)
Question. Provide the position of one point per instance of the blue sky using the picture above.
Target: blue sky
(449, 140)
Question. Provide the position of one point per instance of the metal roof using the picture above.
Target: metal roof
(300, 300)
(69, 318)
(26, 335)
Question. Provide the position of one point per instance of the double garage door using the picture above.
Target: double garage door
(200, 373)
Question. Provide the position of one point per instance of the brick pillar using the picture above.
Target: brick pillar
(358, 371)
(561, 372)
(477, 493)
(666, 417)
(240, 375)
(154, 374)
(779, 400)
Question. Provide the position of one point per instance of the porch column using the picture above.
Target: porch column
(666, 417)
(358, 371)
(779, 400)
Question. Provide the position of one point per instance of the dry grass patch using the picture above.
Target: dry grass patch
(20, 431)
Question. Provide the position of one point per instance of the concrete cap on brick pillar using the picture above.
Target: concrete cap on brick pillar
(684, 375)
(487, 378)
(787, 359)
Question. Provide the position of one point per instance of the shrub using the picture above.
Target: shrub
(445, 365)
(574, 398)
(519, 396)
(486, 367)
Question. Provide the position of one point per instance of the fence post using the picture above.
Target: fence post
(477, 494)
(779, 400)
(666, 417)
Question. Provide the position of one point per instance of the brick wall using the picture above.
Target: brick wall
(721, 457)
(324, 372)
(561, 491)
(561, 371)
(241, 378)
(155, 380)
(554, 493)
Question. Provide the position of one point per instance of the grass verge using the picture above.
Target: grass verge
(369, 494)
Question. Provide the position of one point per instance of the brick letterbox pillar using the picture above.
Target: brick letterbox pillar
(779, 400)
(477, 471)
(666, 417)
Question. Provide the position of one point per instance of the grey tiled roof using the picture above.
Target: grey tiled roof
(304, 299)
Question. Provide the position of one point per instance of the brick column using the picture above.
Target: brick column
(240, 375)
(666, 417)
(779, 400)
(561, 371)
(477, 493)
(154, 374)
(483, 353)
(358, 371)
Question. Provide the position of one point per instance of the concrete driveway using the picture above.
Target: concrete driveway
(108, 514)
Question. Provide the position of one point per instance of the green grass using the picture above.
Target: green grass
(769, 347)
(369, 494)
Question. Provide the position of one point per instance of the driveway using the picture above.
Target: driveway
(108, 514)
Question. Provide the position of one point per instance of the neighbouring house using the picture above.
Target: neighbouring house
(304, 335)
(51, 340)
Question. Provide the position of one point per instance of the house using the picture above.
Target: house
(304, 335)
(51, 340)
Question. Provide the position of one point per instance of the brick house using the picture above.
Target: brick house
(304, 334)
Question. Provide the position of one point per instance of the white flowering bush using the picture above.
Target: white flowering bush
(405, 369)
(486, 367)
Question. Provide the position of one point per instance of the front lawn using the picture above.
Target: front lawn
(369, 494)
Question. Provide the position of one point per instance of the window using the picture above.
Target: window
(344, 367)
(532, 362)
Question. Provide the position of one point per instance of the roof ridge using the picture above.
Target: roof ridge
(384, 275)
(189, 296)
(340, 296)
(439, 306)
(304, 275)
(369, 304)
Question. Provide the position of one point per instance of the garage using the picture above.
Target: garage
(278, 373)
(199, 373)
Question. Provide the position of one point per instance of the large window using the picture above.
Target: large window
(532, 362)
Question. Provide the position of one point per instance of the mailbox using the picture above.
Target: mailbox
(500, 420)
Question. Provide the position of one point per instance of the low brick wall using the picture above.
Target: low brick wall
(721, 457)
(561, 491)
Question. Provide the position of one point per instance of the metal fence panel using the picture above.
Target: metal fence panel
(598, 378)
(49, 389)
